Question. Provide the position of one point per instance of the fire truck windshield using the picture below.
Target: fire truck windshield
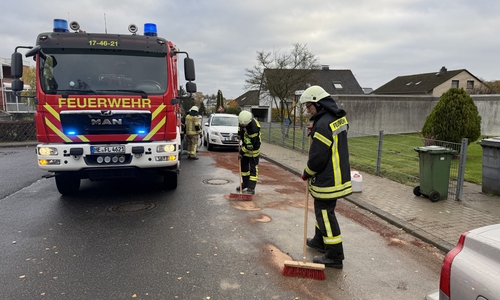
(102, 72)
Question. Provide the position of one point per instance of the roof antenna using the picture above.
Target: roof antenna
(105, 26)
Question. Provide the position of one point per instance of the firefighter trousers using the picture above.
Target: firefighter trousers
(191, 144)
(249, 171)
(327, 229)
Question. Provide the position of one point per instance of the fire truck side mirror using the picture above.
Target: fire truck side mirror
(16, 65)
(17, 85)
(190, 87)
(189, 69)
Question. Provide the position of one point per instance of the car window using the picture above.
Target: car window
(224, 121)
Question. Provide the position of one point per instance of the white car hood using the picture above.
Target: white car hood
(225, 129)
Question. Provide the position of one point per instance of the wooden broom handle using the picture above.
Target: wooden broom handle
(305, 222)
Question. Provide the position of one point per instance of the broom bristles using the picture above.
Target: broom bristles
(246, 197)
(304, 270)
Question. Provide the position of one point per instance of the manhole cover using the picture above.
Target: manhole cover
(216, 181)
(132, 207)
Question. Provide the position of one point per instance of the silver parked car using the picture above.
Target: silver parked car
(471, 270)
(221, 130)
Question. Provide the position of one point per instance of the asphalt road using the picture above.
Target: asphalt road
(132, 240)
(18, 169)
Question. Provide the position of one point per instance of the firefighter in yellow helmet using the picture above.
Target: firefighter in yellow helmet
(193, 131)
(250, 140)
(327, 172)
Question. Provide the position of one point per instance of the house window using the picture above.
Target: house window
(337, 84)
(470, 84)
(454, 84)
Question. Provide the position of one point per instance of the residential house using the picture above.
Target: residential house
(335, 82)
(432, 84)
(9, 103)
(250, 101)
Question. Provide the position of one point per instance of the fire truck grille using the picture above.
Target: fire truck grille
(105, 123)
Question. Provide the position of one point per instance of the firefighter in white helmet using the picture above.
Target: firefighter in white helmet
(193, 130)
(327, 172)
(250, 140)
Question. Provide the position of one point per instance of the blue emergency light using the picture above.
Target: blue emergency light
(60, 25)
(140, 131)
(150, 29)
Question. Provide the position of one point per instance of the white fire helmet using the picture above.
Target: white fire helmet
(195, 108)
(245, 117)
(313, 94)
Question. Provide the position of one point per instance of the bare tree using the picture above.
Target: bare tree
(493, 86)
(278, 75)
(198, 98)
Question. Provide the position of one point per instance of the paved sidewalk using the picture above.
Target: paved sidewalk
(439, 223)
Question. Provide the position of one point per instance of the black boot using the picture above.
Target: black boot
(319, 246)
(331, 263)
(334, 254)
(243, 187)
(249, 191)
(251, 187)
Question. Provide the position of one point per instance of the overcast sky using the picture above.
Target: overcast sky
(377, 40)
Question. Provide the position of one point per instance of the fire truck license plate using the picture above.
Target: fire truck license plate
(107, 149)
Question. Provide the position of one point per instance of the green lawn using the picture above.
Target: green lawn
(400, 161)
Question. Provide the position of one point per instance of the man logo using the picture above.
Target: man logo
(106, 122)
(106, 113)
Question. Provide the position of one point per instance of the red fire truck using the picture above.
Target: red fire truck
(107, 105)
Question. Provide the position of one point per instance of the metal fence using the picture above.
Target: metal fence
(392, 156)
(19, 131)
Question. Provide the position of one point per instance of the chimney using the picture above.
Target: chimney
(442, 71)
(325, 67)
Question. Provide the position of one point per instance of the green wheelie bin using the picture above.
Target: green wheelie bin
(435, 162)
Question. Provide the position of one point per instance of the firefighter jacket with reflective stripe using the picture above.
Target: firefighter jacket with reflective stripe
(328, 162)
(193, 126)
(251, 139)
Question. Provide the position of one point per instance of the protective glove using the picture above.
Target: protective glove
(239, 156)
(201, 135)
(303, 177)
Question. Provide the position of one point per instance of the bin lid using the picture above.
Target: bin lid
(492, 142)
(434, 149)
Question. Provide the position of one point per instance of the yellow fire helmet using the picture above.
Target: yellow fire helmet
(313, 94)
(245, 117)
(195, 108)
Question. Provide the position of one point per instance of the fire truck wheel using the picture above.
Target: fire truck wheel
(67, 183)
(170, 180)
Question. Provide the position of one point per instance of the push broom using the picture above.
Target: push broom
(302, 268)
(240, 195)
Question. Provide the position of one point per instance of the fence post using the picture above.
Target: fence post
(304, 136)
(283, 135)
(461, 169)
(379, 152)
(270, 125)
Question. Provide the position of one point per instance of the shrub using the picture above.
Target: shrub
(454, 117)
